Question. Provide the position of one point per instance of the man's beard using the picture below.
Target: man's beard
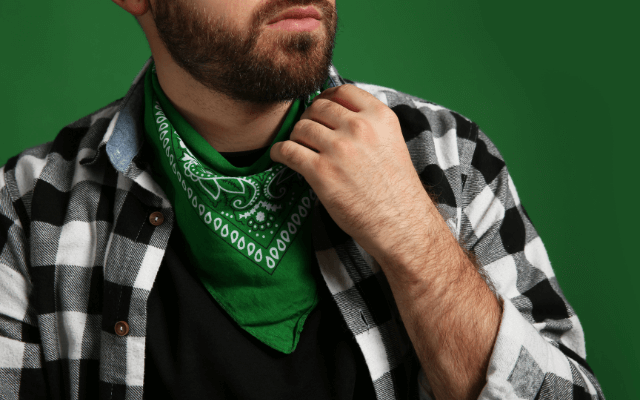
(286, 65)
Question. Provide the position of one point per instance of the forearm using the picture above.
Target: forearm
(451, 315)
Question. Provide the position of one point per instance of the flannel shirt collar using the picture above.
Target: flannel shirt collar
(125, 135)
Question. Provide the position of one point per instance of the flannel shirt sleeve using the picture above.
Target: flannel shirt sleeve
(539, 352)
(21, 356)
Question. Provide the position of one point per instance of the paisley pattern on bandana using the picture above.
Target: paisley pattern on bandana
(259, 216)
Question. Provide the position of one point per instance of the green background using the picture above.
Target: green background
(553, 84)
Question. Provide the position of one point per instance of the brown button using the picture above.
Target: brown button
(122, 328)
(156, 218)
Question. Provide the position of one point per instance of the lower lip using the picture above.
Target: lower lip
(293, 24)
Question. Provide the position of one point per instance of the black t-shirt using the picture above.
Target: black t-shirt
(195, 350)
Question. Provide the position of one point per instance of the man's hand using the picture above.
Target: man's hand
(349, 147)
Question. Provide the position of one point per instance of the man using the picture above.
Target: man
(245, 223)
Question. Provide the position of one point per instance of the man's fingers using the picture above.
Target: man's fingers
(295, 156)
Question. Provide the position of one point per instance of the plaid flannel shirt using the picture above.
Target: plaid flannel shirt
(78, 254)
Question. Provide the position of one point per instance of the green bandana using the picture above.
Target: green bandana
(248, 229)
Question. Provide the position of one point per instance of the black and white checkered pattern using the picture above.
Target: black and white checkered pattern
(78, 254)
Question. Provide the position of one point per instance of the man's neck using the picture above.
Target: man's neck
(225, 125)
